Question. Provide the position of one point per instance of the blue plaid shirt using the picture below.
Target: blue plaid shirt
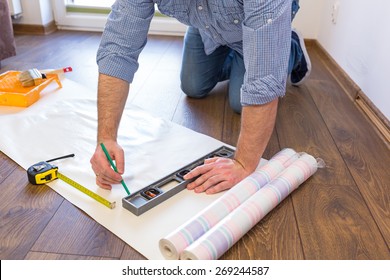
(260, 30)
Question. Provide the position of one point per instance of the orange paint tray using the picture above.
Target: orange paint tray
(12, 93)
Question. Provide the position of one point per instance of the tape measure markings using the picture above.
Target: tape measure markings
(88, 192)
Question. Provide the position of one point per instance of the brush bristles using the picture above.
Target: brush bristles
(30, 77)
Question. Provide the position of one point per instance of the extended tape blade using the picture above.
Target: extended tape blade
(86, 191)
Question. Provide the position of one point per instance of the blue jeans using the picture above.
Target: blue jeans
(200, 72)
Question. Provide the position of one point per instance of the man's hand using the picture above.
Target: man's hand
(105, 175)
(216, 175)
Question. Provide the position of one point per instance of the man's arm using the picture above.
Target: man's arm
(122, 41)
(218, 174)
(266, 47)
(112, 96)
(256, 128)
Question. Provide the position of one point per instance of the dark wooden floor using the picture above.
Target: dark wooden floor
(342, 212)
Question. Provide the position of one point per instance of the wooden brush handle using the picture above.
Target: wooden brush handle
(57, 71)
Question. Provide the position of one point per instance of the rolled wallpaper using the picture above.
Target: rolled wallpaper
(216, 241)
(175, 243)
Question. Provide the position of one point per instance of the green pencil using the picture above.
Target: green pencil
(113, 166)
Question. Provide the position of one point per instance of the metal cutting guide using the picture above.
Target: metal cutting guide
(154, 194)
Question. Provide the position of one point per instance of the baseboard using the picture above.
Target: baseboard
(353, 91)
(35, 29)
(373, 113)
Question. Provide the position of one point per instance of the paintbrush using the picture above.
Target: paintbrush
(34, 77)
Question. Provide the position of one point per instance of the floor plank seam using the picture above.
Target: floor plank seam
(123, 249)
(83, 256)
(222, 136)
(47, 224)
(374, 219)
(176, 107)
(298, 229)
(331, 135)
(133, 95)
(9, 174)
(356, 185)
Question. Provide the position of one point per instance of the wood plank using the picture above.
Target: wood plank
(322, 60)
(273, 146)
(130, 254)
(156, 52)
(71, 231)
(41, 52)
(82, 59)
(52, 256)
(156, 86)
(300, 126)
(25, 210)
(365, 154)
(160, 44)
(231, 132)
(335, 223)
(7, 166)
(203, 115)
(318, 71)
(276, 237)
(171, 58)
(231, 125)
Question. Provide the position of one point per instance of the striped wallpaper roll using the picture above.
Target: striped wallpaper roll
(173, 245)
(215, 242)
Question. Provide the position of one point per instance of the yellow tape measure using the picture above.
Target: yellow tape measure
(43, 172)
(88, 192)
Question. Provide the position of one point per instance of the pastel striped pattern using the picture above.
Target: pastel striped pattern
(214, 243)
(174, 244)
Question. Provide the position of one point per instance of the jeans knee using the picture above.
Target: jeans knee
(192, 90)
(235, 105)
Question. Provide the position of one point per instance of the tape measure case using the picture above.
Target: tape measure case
(12, 93)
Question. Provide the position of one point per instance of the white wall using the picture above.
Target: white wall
(360, 43)
(307, 20)
(46, 11)
(36, 12)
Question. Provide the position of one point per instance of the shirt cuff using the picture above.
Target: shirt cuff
(262, 91)
(117, 66)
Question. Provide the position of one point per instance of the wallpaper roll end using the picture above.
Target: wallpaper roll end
(168, 250)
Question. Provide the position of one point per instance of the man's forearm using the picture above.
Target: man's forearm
(257, 124)
(112, 95)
